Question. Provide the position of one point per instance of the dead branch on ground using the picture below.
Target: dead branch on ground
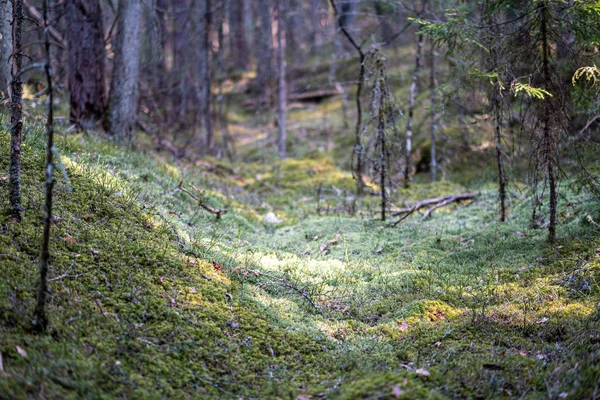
(200, 199)
(433, 204)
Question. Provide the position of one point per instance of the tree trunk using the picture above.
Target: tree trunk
(282, 92)
(203, 11)
(16, 111)
(237, 33)
(41, 321)
(498, 130)
(264, 48)
(123, 100)
(6, 46)
(548, 142)
(183, 93)
(432, 86)
(85, 37)
(411, 111)
(315, 25)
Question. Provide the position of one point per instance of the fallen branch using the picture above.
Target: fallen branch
(200, 200)
(433, 204)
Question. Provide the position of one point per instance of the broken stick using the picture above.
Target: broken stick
(200, 200)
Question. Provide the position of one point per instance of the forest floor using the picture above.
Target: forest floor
(153, 297)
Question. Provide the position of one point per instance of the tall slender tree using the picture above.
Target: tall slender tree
(85, 36)
(282, 83)
(203, 21)
(123, 100)
(264, 48)
(16, 111)
(41, 320)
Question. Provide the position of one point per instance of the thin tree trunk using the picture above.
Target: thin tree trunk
(264, 49)
(6, 47)
(315, 25)
(16, 118)
(411, 111)
(123, 100)
(204, 96)
(498, 130)
(282, 92)
(432, 87)
(548, 144)
(85, 36)
(41, 320)
(383, 154)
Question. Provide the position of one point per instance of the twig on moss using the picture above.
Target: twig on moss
(200, 200)
(435, 203)
(283, 282)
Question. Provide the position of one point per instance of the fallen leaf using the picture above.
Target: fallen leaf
(192, 289)
(521, 234)
(216, 265)
(542, 321)
(403, 326)
(324, 247)
(422, 372)
(21, 351)
(379, 250)
(305, 252)
(70, 239)
(94, 251)
(396, 391)
(563, 395)
(334, 241)
(304, 397)
(5, 177)
(437, 344)
(56, 219)
(523, 353)
(540, 356)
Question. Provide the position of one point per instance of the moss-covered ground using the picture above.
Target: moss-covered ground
(152, 297)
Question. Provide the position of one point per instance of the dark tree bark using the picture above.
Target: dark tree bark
(498, 131)
(6, 46)
(282, 84)
(548, 144)
(122, 104)
(41, 320)
(203, 11)
(16, 111)
(433, 114)
(183, 97)
(85, 36)
(239, 45)
(264, 48)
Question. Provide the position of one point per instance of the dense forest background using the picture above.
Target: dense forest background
(303, 199)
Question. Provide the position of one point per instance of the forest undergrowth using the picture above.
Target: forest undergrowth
(153, 297)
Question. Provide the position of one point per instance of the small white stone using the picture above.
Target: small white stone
(271, 218)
